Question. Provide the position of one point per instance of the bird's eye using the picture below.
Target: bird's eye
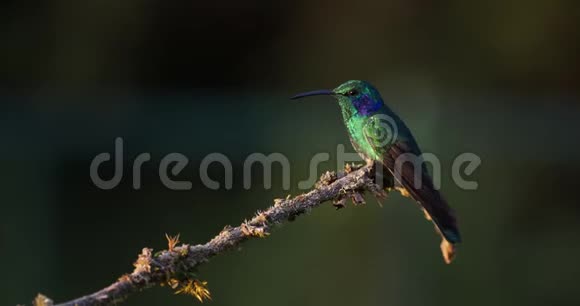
(352, 92)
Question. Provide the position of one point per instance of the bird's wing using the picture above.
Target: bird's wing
(403, 160)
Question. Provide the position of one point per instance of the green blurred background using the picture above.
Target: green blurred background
(496, 78)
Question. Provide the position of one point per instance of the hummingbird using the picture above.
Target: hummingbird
(384, 141)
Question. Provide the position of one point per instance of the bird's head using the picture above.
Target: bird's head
(360, 96)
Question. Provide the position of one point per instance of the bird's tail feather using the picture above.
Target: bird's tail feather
(436, 208)
(434, 205)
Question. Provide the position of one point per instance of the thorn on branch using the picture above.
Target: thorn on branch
(172, 242)
(42, 300)
(255, 231)
(326, 179)
(261, 218)
(143, 263)
(195, 288)
(339, 202)
(357, 198)
(278, 202)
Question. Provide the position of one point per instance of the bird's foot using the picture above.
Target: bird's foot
(348, 168)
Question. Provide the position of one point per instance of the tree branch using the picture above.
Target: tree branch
(177, 265)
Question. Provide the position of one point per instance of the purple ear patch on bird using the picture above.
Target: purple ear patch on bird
(365, 105)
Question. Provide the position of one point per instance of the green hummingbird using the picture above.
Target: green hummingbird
(383, 140)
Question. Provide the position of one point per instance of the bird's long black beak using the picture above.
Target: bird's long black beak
(325, 92)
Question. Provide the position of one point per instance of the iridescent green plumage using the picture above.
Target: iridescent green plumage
(383, 139)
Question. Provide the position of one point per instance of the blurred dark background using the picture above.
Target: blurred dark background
(496, 78)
